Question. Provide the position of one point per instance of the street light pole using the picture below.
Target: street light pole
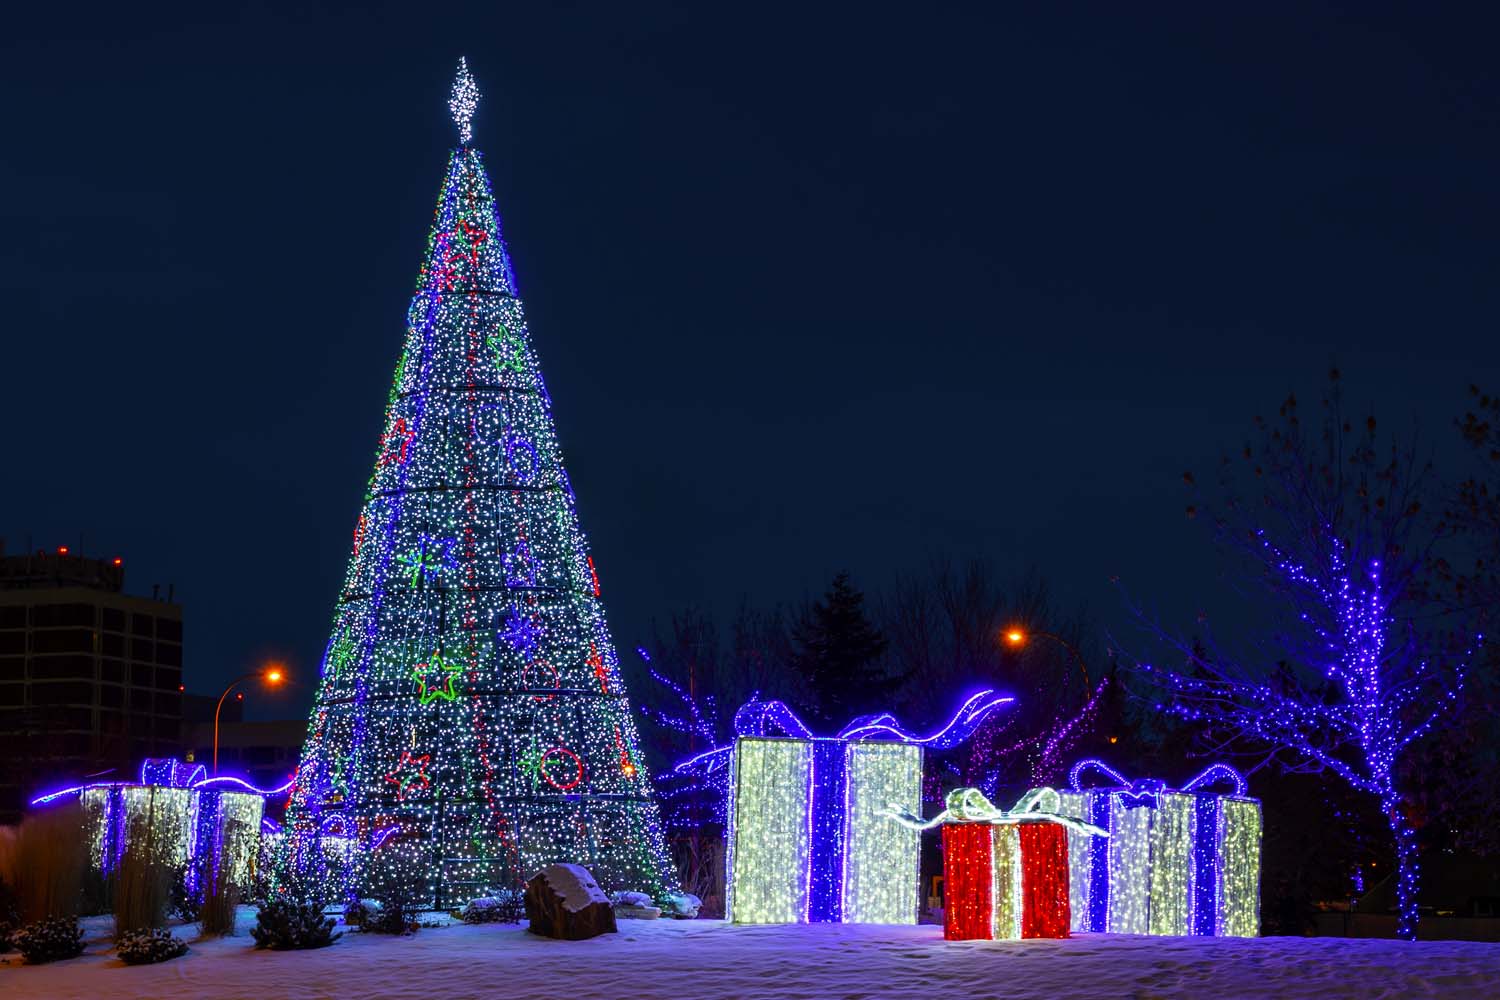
(271, 676)
(1017, 636)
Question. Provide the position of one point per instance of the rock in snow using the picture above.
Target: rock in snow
(564, 901)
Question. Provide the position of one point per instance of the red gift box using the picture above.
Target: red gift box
(1005, 881)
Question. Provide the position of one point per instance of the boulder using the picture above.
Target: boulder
(564, 901)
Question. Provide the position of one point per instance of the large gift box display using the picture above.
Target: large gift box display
(809, 836)
(1005, 872)
(1177, 861)
(197, 825)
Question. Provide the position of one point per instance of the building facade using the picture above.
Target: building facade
(90, 677)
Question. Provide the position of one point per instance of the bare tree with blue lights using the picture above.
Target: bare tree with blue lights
(1361, 658)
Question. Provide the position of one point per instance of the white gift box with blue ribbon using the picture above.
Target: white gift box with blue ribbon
(1177, 861)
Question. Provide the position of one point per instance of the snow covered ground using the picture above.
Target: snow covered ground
(710, 960)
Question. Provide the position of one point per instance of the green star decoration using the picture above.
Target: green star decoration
(509, 352)
(436, 678)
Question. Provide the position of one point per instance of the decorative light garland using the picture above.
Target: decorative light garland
(763, 718)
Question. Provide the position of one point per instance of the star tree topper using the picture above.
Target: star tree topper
(464, 100)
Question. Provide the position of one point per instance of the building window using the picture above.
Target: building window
(63, 667)
(48, 615)
(70, 640)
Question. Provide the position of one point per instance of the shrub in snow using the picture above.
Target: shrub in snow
(149, 945)
(634, 906)
(492, 909)
(10, 916)
(393, 914)
(49, 940)
(682, 905)
(631, 899)
(282, 926)
(360, 911)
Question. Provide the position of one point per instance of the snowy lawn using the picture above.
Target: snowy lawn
(709, 960)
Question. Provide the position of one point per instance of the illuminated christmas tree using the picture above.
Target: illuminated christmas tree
(470, 725)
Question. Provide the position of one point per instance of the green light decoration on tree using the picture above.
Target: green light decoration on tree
(436, 678)
(471, 725)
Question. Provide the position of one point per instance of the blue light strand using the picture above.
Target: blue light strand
(828, 812)
(775, 718)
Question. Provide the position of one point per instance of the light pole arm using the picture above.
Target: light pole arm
(217, 708)
(1065, 644)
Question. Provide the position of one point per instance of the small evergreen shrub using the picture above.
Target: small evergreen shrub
(360, 912)
(141, 947)
(394, 916)
(283, 926)
(49, 940)
(492, 909)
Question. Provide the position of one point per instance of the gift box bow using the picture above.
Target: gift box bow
(969, 805)
(1137, 792)
(775, 718)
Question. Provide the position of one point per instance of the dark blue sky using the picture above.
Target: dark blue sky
(812, 288)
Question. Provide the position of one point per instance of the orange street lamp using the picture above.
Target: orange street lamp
(271, 676)
(1017, 637)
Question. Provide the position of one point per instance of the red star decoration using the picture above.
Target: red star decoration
(410, 771)
(393, 446)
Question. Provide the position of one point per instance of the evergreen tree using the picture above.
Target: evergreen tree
(838, 650)
(470, 725)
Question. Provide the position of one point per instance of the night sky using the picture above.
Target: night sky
(812, 288)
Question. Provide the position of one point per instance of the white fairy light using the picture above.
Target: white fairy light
(464, 100)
